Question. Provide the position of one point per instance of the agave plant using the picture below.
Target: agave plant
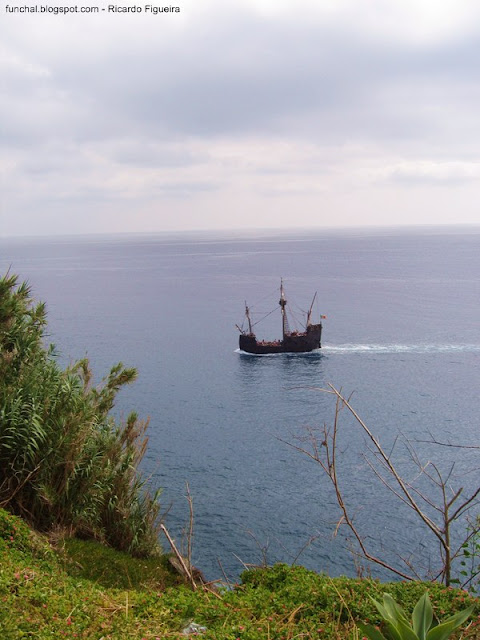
(422, 627)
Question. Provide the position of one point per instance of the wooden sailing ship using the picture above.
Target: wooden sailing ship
(291, 342)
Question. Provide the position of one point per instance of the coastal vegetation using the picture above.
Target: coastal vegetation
(82, 589)
(79, 550)
(65, 463)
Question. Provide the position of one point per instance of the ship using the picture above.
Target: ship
(291, 342)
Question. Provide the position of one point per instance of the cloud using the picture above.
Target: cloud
(251, 100)
(236, 73)
(443, 174)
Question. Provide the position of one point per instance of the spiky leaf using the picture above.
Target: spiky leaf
(392, 632)
(443, 630)
(395, 610)
(405, 630)
(371, 632)
(384, 611)
(422, 616)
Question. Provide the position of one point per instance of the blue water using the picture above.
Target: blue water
(402, 334)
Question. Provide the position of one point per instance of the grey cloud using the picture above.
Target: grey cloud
(245, 76)
(150, 154)
(187, 189)
(186, 110)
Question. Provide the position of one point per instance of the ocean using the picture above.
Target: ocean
(401, 338)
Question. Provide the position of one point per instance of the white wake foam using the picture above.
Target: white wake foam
(400, 348)
(269, 355)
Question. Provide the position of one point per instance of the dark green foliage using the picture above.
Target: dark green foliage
(17, 536)
(348, 597)
(116, 570)
(469, 574)
(64, 462)
(283, 603)
(91, 592)
(14, 533)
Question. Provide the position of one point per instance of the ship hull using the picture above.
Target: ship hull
(292, 343)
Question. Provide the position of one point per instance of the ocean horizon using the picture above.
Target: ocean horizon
(401, 335)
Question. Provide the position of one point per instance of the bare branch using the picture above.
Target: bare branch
(321, 447)
(465, 505)
(404, 489)
(448, 444)
(190, 526)
(187, 571)
(384, 482)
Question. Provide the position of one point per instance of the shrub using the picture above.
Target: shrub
(64, 461)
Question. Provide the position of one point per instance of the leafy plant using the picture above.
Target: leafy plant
(64, 461)
(470, 562)
(423, 626)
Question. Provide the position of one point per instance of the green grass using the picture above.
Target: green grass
(114, 569)
(85, 590)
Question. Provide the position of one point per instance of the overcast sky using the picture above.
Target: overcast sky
(240, 114)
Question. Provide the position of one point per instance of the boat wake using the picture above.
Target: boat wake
(256, 355)
(307, 354)
(400, 348)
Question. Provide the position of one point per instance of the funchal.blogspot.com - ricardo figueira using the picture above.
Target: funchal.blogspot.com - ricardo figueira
(110, 8)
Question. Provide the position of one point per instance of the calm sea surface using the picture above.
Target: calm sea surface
(402, 334)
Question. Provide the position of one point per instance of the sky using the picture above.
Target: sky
(239, 114)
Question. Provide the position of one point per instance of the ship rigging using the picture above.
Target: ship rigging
(291, 341)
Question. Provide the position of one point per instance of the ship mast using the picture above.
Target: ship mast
(283, 303)
(309, 315)
(247, 314)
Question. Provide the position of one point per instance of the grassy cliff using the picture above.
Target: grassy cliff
(82, 589)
